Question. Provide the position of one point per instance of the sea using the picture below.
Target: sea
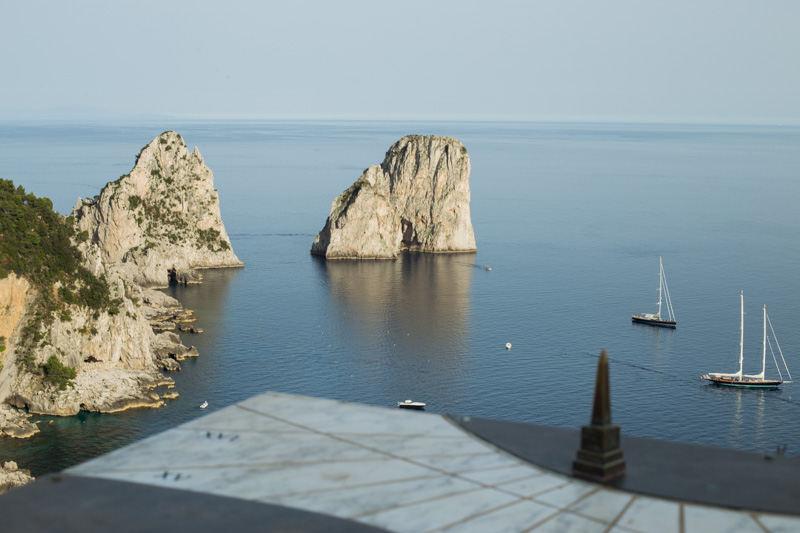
(571, 218)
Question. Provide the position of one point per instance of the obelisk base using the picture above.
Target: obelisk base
(600, 456)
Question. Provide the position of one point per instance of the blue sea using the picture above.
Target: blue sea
(571, 218)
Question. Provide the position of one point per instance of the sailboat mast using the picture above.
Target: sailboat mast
(764, 346)
(660, 282)
(741, 338)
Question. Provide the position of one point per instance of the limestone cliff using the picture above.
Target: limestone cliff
(416, 200)
(77, 318)
(113, 351)
(162, 221)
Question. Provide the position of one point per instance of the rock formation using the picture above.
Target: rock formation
(162, 221)
(114, 352)
(159, 223)
(416, 200)
(11, 476)
(15, 424)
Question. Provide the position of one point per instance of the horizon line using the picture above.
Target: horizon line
(112, 117)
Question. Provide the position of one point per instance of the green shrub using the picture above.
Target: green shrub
(58, 373)
(37, 245)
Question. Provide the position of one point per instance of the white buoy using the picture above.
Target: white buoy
(508, 346)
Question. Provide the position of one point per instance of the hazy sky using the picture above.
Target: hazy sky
(620, 60)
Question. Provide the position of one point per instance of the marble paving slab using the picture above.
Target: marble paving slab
(396, 469)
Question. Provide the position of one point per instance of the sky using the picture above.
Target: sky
(708, 61)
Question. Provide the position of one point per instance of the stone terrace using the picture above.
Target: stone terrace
(292, 463)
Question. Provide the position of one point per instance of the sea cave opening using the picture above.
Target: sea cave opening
(409, 241)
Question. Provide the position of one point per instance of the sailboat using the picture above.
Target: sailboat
(655, 319)
(756, 380)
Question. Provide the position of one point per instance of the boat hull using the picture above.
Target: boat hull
(654, 322)
(743, 383)
(419, 406)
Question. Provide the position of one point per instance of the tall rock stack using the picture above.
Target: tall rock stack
(416, 200)
(162, 221)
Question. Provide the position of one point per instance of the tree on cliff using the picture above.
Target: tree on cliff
(36, 243)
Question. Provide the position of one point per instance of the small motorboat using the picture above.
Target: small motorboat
(508, 346)
(488, 268)
(203, 405)
(408, 404)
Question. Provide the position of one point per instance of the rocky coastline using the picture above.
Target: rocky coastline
(14, 423)
(157, 225)
(11, 476)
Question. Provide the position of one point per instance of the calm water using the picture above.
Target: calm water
(571, 218)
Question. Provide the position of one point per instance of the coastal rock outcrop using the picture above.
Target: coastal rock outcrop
(161, 221)
(78, 328)
(100, 391)
(14, 423)
(113, 352)
(416, 200)
(11, 476)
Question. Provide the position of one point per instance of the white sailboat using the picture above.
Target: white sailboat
(655, 319)
(739, 379)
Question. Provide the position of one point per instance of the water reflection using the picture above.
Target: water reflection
(209, 298)
(748, 427)
(759, 422)
(662, 343)
(738, 418)
(407, 320)
(217, 304)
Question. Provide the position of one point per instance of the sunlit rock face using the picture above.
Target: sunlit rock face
(11, 476)
(162, 221)
(159, 223)
(416, 200)
(116, 354)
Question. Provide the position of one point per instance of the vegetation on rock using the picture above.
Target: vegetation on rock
(58, 373)
(36, 244)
